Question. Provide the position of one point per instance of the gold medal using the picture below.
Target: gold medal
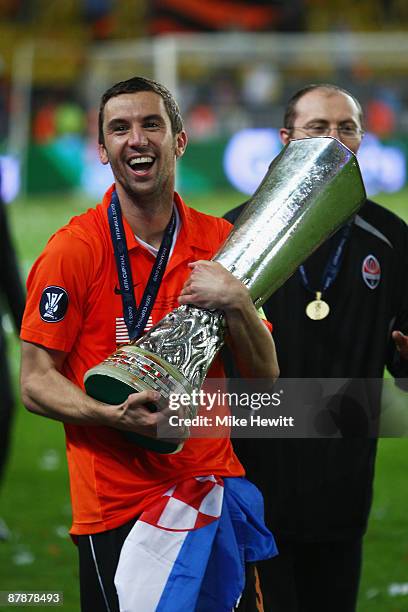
(318, 309)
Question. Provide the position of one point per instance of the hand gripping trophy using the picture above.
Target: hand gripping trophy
(311, 189)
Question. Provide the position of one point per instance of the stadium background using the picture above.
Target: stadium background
(232, 65)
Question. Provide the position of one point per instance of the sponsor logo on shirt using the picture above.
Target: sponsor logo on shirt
(53, 304)
(122, 334)
(371, 271)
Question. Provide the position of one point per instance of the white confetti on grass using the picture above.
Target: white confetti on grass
(23, 557)
(372, 593)
(5, 533)
(50, 460)
(395, 589)
(62, 531)
(7, 324)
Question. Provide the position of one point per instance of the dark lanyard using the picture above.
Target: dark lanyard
(333, 265)
(136, 318)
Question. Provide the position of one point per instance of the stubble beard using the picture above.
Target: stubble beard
(151, 199)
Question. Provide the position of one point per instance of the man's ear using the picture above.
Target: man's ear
(103, 156)
(285, 136)
(181, 143)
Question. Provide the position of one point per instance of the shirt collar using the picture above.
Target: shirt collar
(190, 232)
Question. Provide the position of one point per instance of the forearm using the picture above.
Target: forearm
(251, 343)
(48, 393)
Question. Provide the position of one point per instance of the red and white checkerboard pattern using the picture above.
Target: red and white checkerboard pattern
(189, 505)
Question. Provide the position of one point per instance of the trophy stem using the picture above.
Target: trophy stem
(188, 338)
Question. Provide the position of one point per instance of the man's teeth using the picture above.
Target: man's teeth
(141, 160)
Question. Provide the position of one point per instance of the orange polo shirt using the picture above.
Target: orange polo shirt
(111, 479)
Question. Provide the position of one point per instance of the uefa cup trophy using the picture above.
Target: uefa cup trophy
(311, 189)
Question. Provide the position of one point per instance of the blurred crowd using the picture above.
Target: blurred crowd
(219, 102)
(216, 100)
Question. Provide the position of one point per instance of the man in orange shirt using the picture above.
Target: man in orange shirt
(76, 315)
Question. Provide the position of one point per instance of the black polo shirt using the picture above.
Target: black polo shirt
(319, 489)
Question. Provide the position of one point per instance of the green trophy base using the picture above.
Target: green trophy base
(132, 370)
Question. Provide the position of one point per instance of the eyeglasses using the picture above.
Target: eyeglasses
(346, 131)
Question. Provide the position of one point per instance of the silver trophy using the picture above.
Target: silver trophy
(311, 188)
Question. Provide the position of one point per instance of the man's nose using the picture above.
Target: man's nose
(333, 131)
(137, 137)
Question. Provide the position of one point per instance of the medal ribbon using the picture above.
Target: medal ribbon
(333, 265)
(137, 317)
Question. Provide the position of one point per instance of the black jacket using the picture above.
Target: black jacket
(11, 288)
(322, 489)
(12, 297)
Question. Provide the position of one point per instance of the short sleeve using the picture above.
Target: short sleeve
(225, 230)
(57, 291)
(261, 315)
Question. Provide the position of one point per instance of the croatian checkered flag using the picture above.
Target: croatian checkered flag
(188, 550)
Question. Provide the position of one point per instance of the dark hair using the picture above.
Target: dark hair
(290, 111)
(136, 84)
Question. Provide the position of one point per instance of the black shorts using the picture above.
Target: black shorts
(98, 559)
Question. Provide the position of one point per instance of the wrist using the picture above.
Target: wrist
(99, 413)
(240, 302)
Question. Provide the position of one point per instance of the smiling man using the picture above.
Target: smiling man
(76, 317)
